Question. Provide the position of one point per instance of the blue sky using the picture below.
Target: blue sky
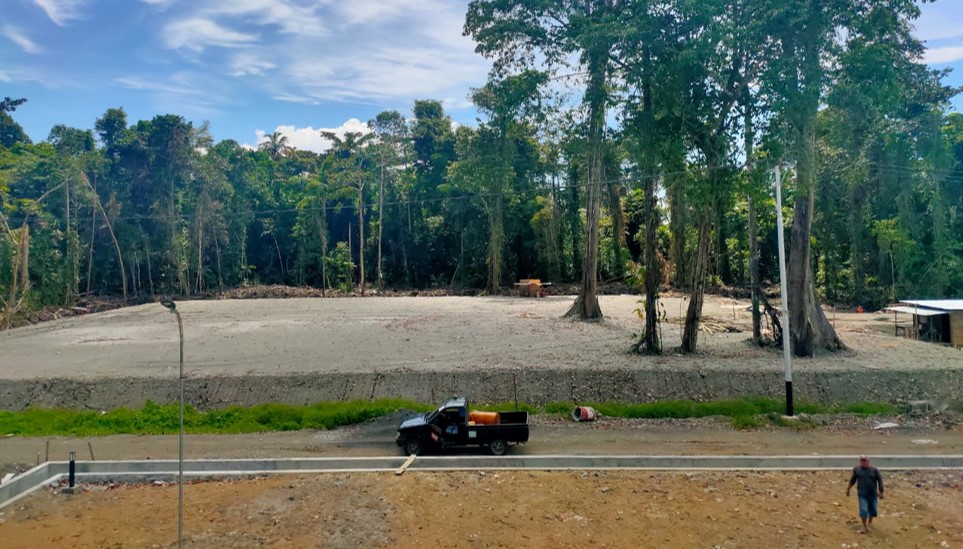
(251, 67)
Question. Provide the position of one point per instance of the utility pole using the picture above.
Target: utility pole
(784, 293)
(172, 307)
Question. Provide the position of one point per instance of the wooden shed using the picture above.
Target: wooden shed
(936, 320)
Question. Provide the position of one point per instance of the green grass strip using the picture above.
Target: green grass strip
(155, 419)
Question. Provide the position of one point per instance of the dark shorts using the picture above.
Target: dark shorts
(868, 506)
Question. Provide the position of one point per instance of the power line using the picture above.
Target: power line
(955, 176)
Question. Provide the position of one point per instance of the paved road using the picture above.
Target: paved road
(564, 438)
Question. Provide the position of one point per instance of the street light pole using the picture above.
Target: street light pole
(784, 294)
(172, 307)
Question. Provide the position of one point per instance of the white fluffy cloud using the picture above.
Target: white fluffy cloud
(20, 39)
(364, 51)
(309, 138)
(61, 12)
(197, 34)
(939, 56)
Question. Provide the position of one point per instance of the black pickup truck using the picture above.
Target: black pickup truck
(451, 425)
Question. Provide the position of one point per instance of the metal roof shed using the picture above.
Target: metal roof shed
(937, 320)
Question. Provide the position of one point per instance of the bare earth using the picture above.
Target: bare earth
(284, 336)
(507, 509)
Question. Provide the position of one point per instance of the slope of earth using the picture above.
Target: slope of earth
(427, 348)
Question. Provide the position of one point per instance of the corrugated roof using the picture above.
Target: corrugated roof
(915, 311)
(941, 304)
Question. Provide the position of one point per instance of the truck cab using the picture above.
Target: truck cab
(451, 425)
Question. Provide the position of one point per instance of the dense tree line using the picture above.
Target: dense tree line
(617, 140)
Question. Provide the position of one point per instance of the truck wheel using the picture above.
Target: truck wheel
(498, 447)
(414, 447)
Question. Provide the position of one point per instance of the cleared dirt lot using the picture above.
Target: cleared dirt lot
(427, 348)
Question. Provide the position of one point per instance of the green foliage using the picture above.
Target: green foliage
(870, 408)
(154, 419)
(340, 267)
(746, 422)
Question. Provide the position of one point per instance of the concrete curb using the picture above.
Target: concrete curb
(150, 470)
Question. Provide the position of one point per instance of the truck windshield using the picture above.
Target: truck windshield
(430, 416)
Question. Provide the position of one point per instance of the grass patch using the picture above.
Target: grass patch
(745, 422)
(680, 409)
(154, 419)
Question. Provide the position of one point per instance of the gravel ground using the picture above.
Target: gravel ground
(427, 348)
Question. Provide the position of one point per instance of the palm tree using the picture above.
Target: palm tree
(276, 145)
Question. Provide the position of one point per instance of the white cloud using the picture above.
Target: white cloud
(197, 34)
(250, 64)
(315, 51)
(138, 83)
(287, 15)
(20, 39)
(938, 56)
(309, 139)
(61, 11)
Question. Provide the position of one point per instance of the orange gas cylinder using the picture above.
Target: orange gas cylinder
(483, 418)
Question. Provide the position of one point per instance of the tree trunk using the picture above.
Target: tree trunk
(808, 328)
(693, 316)
(495, 238)
(677, 230)
(381, 222)
(361, 235)
(723, 266)
(756, 283)
(575, 227)
(93, 234)
(200, 248)
(586, 306)
(651, 343)
(120, 256)
(618, 228)
(150, 272)
(323, 236)
(217, 254)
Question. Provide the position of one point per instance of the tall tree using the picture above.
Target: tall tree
(492, 158)
(512, 34)
(348, 166)
(391, 131)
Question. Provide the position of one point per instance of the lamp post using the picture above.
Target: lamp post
(172, 307)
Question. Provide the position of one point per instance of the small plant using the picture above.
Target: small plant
(745, 422)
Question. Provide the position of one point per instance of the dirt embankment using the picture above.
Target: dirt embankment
(426, 348)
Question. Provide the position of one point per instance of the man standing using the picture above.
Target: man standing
(869, 489)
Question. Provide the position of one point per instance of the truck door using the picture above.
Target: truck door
(452, 423)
